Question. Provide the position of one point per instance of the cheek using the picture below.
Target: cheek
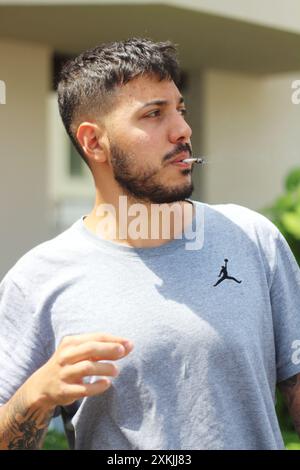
(150, 143)
(142, 145)
(143, 139)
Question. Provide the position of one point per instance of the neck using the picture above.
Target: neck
(139, 224)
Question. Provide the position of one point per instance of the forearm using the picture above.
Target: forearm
(290, 389)
(23, 423)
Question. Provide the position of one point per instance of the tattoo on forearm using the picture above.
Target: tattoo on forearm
(290, 389)
(23, 428)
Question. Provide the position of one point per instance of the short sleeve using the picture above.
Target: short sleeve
(285, 300)
(21, 351)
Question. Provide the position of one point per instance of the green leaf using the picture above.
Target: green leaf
(291, 222)
(292, 180)
(285, 202)
(55, 441)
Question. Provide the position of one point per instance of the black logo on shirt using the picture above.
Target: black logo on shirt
(225, 274)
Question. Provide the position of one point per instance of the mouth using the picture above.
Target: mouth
(178, 161)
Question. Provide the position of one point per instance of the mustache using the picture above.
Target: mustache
(180, 148)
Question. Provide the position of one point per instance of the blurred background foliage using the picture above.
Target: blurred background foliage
(55, 441)
(285, 214)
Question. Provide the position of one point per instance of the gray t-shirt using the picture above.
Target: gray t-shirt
(207, 356)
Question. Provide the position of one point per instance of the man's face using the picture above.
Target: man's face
(145, 138)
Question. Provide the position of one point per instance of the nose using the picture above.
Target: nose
(179, 129)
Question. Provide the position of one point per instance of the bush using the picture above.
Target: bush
(285, 214)
(55, 441)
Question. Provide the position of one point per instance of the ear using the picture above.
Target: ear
(91, 137)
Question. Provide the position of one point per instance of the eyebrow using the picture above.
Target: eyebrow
(161, 102)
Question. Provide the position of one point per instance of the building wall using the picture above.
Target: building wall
(251, 137)
(193, 96)
(69, 196)
(23, 141)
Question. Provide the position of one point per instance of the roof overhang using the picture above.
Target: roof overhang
(205, 40)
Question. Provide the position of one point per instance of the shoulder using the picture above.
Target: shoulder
(248, 220)
(44, 260)
(251, 234)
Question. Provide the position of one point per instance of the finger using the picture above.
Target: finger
(78, 391)
(92, 351)
(101, 337)
(97, 387)
(76, 372)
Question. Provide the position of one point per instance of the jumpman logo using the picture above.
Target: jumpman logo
(225, 274)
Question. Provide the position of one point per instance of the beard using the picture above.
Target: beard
(144, 185)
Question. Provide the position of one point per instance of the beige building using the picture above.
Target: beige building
(240, 59)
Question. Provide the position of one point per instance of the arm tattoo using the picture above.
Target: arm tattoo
(23, 427)
(290, 389)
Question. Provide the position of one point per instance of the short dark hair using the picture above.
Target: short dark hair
(87, 83)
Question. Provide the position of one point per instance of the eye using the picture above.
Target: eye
(152, 113)
(183, 111)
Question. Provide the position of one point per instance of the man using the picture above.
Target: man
(119, 326)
